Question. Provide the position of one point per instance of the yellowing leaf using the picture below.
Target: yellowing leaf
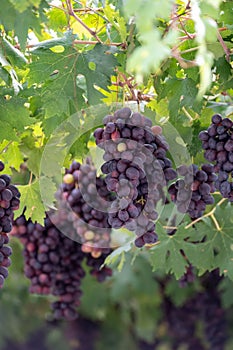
(79, 29)
(11, 156)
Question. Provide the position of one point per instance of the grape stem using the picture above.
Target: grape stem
(30, 179)
(73, 14)
(150, 245)
(187, 114)
(182, 62)
(215, 222)
(225, 48)
(170, 227)
(6, 147)
(211, 214)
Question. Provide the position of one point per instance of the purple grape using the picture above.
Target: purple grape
(204, 136)
(216, 119)
(110, 127)
(123, 215)
(193, 194)
(229, 146)
(132, 173)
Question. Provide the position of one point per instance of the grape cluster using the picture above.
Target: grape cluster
(53, 263)
(9, 201)
(136, 169)
(181, 323)
(203, 307)
(87, 196)
(214, 320)
(193, 192)
(217, 141)
(5, 261)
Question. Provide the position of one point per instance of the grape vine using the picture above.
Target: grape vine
(116, 130)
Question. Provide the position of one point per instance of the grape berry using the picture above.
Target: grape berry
(217, 141)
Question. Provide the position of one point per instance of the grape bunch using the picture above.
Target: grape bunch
(217, 141)
(9, 201)
(136, 169)
(88, 198)
(214, 319)
(53, 263)
(5, 261)
(205, 306)
(181, 322)
(193, 192)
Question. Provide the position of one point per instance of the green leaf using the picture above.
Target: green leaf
(105, 63)
(195, 145)
(22, 5)
(11, 155)
(4, 75)
(117, 21)
(226, 290)
(79, 148)
(66, 40)
(148, 9)
(49, 190)
(217, 249)
(21, 22)
(181, 92)
(145, 59)
(13, 55)
(50, 124)
(34, 158)
(14, 116)
(31, 200)
(224, 69)
(226, 9)
(58, 73)
(12, 74)
(210, 8)
(118, 254)
(166, 254)
(57, 19)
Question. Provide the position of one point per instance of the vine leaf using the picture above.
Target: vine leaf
(217, 249)
(118, 254)
(181, 92)
(31, 200)
(21, 19)
(97, 66)
(166, 254)
(60, 72)
(22, 5)
(12, 54)
(14, 117)
(57, 72)
(11, 156)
